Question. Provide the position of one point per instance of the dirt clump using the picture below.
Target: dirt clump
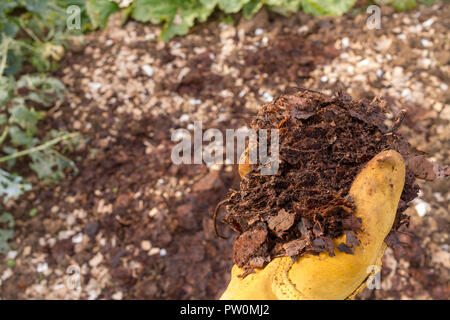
(324, 143)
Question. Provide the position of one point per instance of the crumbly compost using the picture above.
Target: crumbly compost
(324, 143)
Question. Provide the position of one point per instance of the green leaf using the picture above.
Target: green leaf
(41, 63)
(184, 19)
(50, 164)
(8, 27)
(232, 6)
(327, 7)
(251, 8)
(41, 89)
(9, 151)
(155, 11)
(99, 12)
(20, 137)
(12, 51)
(126, 14)
(13, 62)
(8, 219)
(402, 5)
(177, 15)
(6, 89)
(37, 6)
(3, 120)
(11, 185)
(284, 7)
(5, 235)
(26, 118)
(427, 2)
(6, 6)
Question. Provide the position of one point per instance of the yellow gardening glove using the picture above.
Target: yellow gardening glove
(376, 192)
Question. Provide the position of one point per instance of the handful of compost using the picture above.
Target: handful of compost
(317, 228)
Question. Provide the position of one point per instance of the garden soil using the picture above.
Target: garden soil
(132, 225)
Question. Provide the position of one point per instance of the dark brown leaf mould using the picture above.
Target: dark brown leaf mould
(324, 142)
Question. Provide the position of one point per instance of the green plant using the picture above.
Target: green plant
(20, 112)
(19, 125)
(6, 234)
(21, 107)
(327, 7)
(99, 11)
(402, 5)
(178, 16)
(38, 29)
(34, 34)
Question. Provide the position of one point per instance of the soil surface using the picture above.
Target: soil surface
(132, 224)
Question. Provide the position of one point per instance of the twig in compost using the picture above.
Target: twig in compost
(219, 205)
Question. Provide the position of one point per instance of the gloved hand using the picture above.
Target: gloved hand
(376, 192)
